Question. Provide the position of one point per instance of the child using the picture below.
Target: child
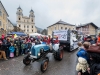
(83, 60)
(80, 45)
(12, 49)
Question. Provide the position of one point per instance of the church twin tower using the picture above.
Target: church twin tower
(27, 24)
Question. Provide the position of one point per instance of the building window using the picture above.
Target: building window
(61, 27)
(27, 30)
(3, 16)
(0, 13)
(27, 26)
(24, 26)
(19, 18)
(19, 25)
(32, 30)
(24, 20)
(32, 26)
(55, 28)
(0, 23)
(32, 20)
(66, 28)
(51, 29)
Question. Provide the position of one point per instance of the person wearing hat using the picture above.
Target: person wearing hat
(89, 39)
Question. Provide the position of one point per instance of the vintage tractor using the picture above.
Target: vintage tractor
(40, 51)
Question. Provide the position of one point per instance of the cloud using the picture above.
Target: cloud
(48, 12)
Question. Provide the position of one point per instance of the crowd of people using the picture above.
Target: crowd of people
(88, 61)
(12, 47)
(89, 56)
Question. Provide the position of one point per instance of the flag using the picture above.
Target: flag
(15, 36)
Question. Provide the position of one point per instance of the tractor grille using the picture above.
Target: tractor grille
(33, 51)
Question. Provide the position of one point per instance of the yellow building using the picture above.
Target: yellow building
(10, 26)
(60, 25)
(3, 18)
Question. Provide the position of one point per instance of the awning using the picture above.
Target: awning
(18, 33)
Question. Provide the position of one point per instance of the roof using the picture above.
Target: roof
(88, 24)
(10, 21)
(18, 33)
(61, 22)
(99, 28)
(31, 10)
(4, 8)
(19, 8)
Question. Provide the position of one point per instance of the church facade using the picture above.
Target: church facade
(27, 24)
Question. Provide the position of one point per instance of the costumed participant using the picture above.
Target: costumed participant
(45, 40)
(49, 42)
(56, 41)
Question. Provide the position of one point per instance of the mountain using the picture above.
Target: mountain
(39, 30)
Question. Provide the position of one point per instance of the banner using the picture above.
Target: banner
(61, 34)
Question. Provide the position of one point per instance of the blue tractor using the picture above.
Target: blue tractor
(40, 51)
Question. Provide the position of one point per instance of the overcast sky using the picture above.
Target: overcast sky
(48, 12)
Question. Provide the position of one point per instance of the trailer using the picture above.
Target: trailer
(67, 39)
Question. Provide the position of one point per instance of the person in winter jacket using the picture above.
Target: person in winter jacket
(8, 44)
(83, 60)
(12, 49)
(98, 39)
(23, 48)
(89, 39)
(16, 47)
(2, 51)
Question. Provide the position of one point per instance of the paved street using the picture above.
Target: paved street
(15, 66)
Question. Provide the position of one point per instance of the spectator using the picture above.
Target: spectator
(2, 51)
(49, 40)
(16, 47)
(83, 60)
(98, 39)
(8, 44)
(23, 48)
(80, 45)
(12, 49)
(89, 39)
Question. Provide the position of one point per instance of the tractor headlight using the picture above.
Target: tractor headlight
(38, 54)
(30, 52)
